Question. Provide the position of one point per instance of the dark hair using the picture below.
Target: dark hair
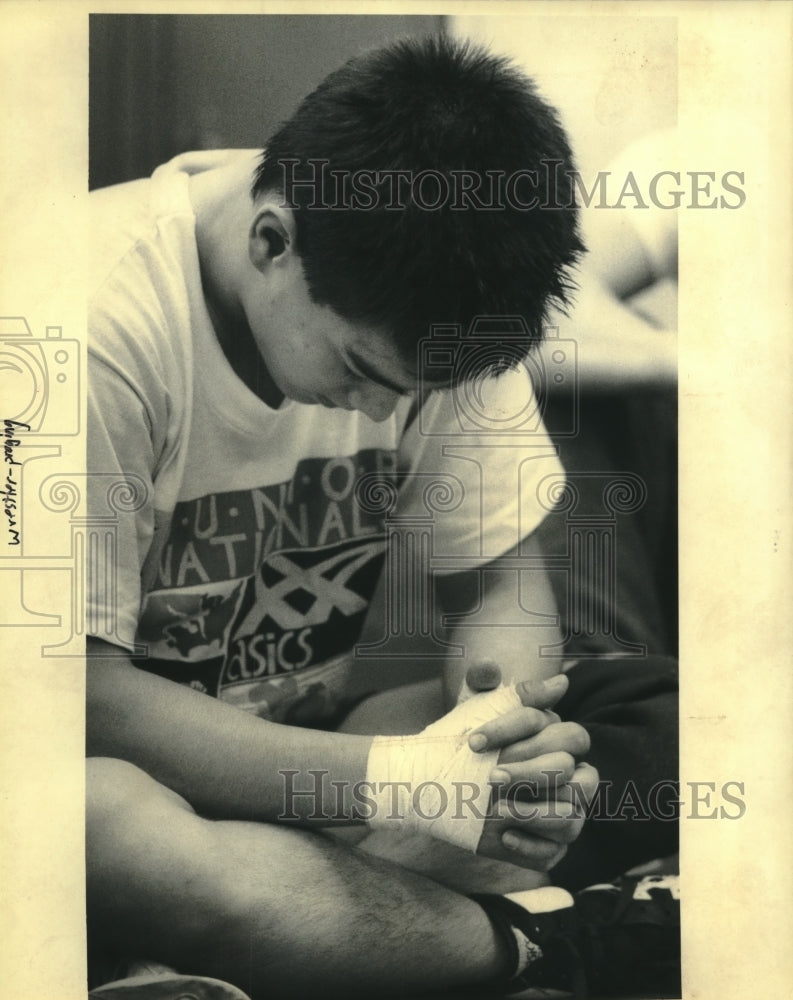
(444, 106)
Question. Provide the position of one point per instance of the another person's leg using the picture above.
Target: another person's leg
(630, 710)
(627, 703)
(632, 582)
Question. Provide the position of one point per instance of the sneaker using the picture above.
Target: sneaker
(550, 945)
(160, 983)
(619, 939)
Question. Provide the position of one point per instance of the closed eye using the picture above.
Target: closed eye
(353, 374)
(362, 371)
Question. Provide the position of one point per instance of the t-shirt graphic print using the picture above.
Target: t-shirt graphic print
(261, 594)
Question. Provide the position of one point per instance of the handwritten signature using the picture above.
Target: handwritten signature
(10, 494)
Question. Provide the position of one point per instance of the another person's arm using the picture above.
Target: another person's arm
(616, 345)
(624, 318)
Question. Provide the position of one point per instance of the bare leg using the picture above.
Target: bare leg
(408, 710)
(270, 909)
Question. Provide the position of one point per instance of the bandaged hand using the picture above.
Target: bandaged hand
(441, 781)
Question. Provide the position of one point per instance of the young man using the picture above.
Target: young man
(265, 333)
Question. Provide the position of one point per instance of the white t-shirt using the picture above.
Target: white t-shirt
(249, 540)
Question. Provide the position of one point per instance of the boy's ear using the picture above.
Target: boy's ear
(271, 237)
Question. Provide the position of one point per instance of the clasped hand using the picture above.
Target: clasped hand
(541, 789)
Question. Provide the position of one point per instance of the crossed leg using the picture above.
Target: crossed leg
(270, 909)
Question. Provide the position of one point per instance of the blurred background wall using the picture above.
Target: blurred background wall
(162, 84)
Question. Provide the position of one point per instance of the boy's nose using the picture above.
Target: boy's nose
(376, 401)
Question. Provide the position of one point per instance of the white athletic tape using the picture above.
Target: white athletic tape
(433, 783)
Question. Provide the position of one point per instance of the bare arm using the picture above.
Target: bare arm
(624, 316)
(618, 344)
(225, 762)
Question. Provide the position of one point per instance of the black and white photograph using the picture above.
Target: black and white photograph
(396, 538)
